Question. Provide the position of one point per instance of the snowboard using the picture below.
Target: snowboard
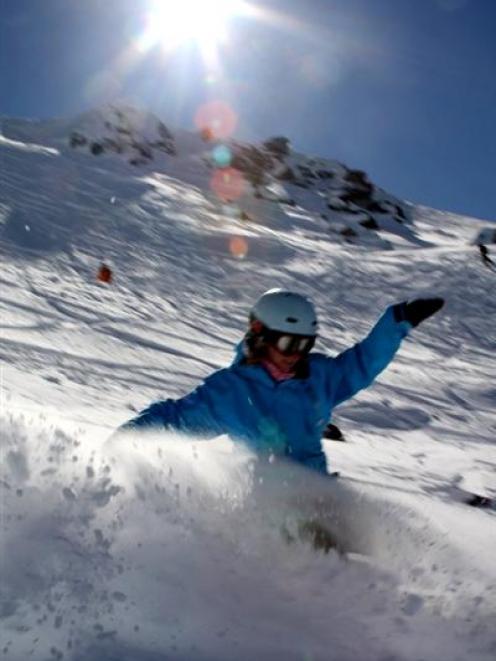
(477, 489)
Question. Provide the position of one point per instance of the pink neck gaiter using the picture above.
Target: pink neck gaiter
(276, 373)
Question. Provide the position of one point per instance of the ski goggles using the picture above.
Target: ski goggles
(289, 344)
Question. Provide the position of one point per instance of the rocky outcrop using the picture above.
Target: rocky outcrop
(117, 131)
(255, 163)
(344, 197)
(342, 190)
(279, 146)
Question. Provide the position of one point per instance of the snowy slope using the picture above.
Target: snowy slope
(173, 549)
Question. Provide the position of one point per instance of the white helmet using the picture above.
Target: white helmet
(286, 312)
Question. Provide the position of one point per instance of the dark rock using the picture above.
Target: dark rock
(400, 214)
(343, 207)
(112, 145)
(336, 206)
(77, 140)
(164, 132)
(369, 224)
(144, 150)
(166, 142)
(253, 163)
(287, 175)
(279, 146)
(357, 177)
(355, 196)
(168, 148)
(96, 148)
(373, 206)
(306, 172)
(359, 190)
(138, 161)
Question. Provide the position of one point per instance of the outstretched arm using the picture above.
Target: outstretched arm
(358, 366)
(195, 414)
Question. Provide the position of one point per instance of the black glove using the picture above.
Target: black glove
(417, 310)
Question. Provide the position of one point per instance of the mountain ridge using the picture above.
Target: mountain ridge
(251, 182)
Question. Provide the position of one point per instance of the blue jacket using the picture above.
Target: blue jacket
(279, 418)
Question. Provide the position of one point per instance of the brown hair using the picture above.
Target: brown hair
(254, 347)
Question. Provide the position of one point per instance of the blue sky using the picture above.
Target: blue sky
(404, 89)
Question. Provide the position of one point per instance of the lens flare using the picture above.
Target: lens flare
(211, 79)
(216, 118)
(222, 156)
(238, 247)
(228, 184)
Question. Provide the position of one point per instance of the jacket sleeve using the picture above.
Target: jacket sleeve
(357, 367)
(196, 414)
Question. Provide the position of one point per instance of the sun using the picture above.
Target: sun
(172, 23)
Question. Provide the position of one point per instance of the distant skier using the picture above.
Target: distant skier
(104, 274)
(485, 256)
(277, 397)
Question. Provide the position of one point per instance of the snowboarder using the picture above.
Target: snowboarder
(277, 395)
(485, 256)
